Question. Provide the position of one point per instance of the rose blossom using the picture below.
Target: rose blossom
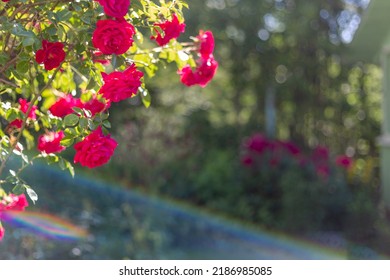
(115, 8)
(13, 203)
(206, 43)
(50, 142)
(257, 143)
(24, 108)
(64, 106)
(203, 74)
(121, 85)
(113, 36)
(51, 54)
(171, 30)
(94, 150)
(96, 106)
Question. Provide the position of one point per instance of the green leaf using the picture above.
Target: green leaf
(107, 124)
(78, 110)
(13, 114)
(22, 67)
(146, 97)
(28, 41)
(29, 139)
(64, 164)
(71, 120)
(51, 158)
(84, 123)
(64, 15)
(67, 141)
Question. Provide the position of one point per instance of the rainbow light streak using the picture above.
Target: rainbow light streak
(45, 225)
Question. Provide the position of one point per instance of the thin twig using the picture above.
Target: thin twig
(8, 83)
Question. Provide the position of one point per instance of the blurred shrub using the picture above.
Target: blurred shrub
(259, 180)
(294, 191)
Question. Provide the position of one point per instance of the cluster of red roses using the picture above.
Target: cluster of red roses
(206, 64)
(114, 36)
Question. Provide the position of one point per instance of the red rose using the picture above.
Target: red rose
(50, 142)
(203, 73)
(113, 36)
(13, 203)
(187, 76)
(115, 8)
(206, 40)
(24, 107)
(121, 85)
(95, 150)
(51, 54)
(96, 106)
(64, 106)
(171, 30)
(206, 70)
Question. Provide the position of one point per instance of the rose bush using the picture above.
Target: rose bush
(63, 63)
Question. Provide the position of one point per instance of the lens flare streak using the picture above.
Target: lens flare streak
(45, 225)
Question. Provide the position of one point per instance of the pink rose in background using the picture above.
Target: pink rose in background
(23, 105)
(50, 142)
(115, 8)
(320, 153)
(51, 54)
(206, 43)
(344, 161)
(95, 150)
(171, 29)
(247, 160)
(121, 85)
(291, 148)
(257, 143)
(64, 106)
(113, 36)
